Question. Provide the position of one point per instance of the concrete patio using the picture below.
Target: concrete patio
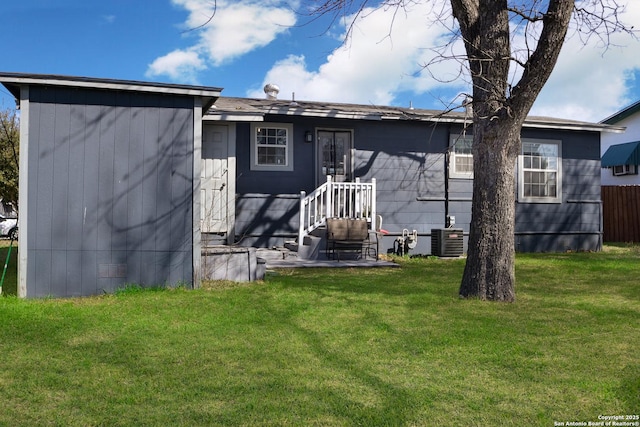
(284, 258)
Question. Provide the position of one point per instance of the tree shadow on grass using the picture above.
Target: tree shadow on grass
(387, 402)
(423, 278)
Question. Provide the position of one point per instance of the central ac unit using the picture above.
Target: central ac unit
(447, 242)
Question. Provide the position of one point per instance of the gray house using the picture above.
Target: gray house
(420, 161)
(133, 182)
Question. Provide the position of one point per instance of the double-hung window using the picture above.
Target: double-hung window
(272, 147)
(461, 159)
(540, 171)
(539, 167)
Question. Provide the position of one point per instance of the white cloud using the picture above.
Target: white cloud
(590, 82)
(177, 65)
(223, 33)
(383, 56)
(382, 61)
(240, 28)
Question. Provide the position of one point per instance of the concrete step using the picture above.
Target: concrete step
(291, 245)
(320, 232)
(313, 246)
(276, 253)
(310, 249)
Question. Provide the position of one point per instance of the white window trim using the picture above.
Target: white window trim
(624, 170)
(521, 197)
(452, 157)
(288, 166)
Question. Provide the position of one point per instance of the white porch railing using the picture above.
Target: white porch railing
(336, 200)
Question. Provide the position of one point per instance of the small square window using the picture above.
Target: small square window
(272, 147)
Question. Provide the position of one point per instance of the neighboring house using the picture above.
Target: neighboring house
(133, 182)
(620, 178)
(621, 151)
(422, 164)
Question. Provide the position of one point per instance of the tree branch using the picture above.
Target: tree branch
(601, 20)
(209, 19)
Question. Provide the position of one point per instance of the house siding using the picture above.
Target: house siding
(110, 190)
(407, 159)
(267, 202)
(574, 224)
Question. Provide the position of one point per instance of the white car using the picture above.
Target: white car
(9, 227)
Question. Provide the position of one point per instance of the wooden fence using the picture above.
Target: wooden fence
(621, 213)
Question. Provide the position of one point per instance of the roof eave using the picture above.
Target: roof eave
(243, 108)
(622, 114)
(230, 116)
(351, 115)
(308, 112)
(588, 127)
(13, 81)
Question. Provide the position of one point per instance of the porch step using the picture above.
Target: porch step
(291, 245)
(320, 231)
(310, 249)
(276, 253)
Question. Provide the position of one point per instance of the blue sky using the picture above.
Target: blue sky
(249, 43)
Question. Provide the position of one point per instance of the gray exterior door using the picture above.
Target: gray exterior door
(334, 155)
(214, 180)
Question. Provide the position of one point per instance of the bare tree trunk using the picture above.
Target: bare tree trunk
(498, 113)
(490, 269)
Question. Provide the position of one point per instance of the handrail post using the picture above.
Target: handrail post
(374, 215)
(329, 212)
(301, 230)
(357, 199)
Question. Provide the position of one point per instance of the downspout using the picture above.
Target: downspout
(447, 158)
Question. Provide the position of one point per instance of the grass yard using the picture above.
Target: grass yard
(378, 347)
(10, 285)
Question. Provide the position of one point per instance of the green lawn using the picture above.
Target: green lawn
(343, 347)
(10, 285)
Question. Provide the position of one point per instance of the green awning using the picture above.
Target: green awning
(622, 154)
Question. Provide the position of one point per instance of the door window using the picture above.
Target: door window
(334, 155)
